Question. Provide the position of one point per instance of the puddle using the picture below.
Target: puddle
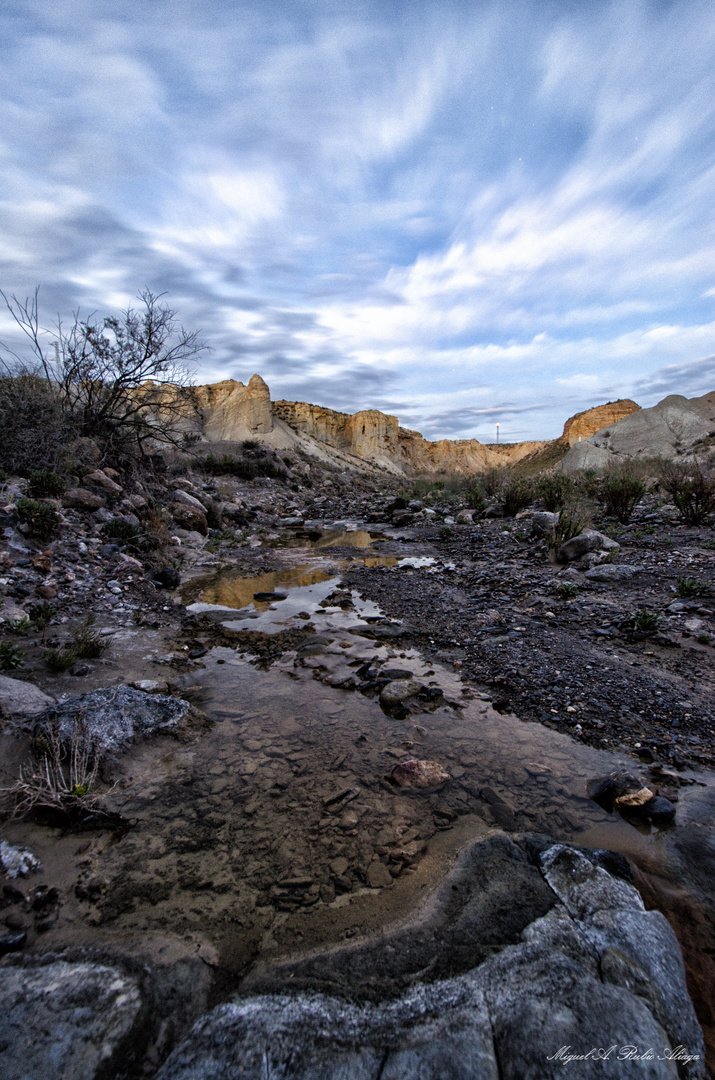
(317, 538)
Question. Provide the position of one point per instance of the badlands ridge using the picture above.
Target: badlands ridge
(371, 440)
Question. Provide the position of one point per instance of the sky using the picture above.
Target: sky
(461, 213)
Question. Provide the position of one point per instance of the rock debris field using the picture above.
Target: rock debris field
(295, 710)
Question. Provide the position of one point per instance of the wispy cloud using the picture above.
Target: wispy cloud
(467, 212)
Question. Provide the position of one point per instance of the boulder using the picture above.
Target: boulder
(543, 523)
(188, 517)
(99, 479)
(611, 573)
(585, 542)
(81, 499)
(399, 690)
(533, 952)
(185, 499)
(19, 698)
(114, 717)
(69, 1020)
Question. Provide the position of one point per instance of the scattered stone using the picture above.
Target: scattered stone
(378, 876)
(399, 690)
(81, 499)
(166, 578)
(418, 774)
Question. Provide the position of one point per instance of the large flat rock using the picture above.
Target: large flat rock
(528, 953)
(65, 1020)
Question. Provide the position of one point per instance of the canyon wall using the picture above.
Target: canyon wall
(585, 424)
(231, 412)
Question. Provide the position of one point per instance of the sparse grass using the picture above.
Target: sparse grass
(85, 645)
(690, 586)
(11, 656)
(225, 536)
(445, 532)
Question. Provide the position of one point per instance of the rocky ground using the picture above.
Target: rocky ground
(603, 648)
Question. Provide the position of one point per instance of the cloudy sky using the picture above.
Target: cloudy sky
(459, 212)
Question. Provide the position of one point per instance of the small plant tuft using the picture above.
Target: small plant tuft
(567, 590)
(22, 627)
(42, 613)
(41, 518)
(45, 485)
(11, 656)
(642, 621)
(690, 586)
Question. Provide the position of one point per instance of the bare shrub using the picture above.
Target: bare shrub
(692, 492)
(32, 423)
(120, 380)
(59, 780)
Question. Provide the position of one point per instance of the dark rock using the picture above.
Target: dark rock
(588, 964)
(660, 810)
(269, 596)
(166, 578)
(12, 943)
(73, 1020)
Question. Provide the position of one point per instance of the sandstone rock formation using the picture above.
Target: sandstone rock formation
(676, 427)
(233, 412)
(585, 424)
(371, 440)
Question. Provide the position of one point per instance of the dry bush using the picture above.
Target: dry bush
(58, 780)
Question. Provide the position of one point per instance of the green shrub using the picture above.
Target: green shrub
(244, 468)
(119, 529)
(493, 481)
(567, 590)
(87, 645)
(11, 656)
(22, 627)
(32, 426)
(41, 614)
(518, 493)
(690, 586)
(445, 532)
(642, 621)
(41, 518)
(42, 484)
(621, 493)
(60, 659)
(555, 491)
(693, 494)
